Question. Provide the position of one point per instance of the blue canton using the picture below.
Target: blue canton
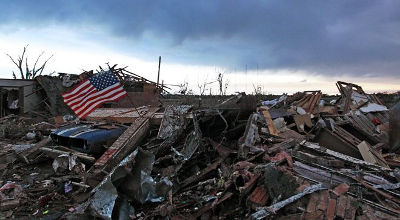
(103, 80)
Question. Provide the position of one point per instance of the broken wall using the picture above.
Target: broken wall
(148, 95)
(28, 100)
(53, 87)
(31, 99)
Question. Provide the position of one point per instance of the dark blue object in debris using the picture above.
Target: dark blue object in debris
(87, 138)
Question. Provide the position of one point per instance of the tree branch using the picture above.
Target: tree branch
(29, 73)
(37, 60)
(27, 69)
(20, 60)
(44, 64)
(19, 67)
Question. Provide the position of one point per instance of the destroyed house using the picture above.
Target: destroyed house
(295, 157)
(18, 96)
(140, 91)
(42, 95)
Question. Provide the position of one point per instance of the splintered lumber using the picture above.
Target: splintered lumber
(125, 144)
(196, 178)
(370, 155)
(31, 153)
(271, 127)
(118, 115)
(341, 156)
(9, 204)
(80, 185)
(288, 143)
(55, 153)
(264, 212)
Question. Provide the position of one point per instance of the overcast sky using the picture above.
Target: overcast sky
(280, 46)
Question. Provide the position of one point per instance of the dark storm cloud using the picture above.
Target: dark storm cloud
(325, 37)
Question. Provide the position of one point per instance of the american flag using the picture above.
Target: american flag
(85, 97)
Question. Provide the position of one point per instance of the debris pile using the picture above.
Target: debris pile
(298, 156)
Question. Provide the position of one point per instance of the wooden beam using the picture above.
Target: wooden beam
(195, 178)
(53, 153)
(124, 145)
(369, 155)
(271, 127)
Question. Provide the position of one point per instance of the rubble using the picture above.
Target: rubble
(299, 156)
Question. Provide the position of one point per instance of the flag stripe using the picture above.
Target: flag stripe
(80, 99)
(77, 92)
(87, 105)
(76, 88)
(90, 96)
(97, 104)
(82, 92)
(89, 99)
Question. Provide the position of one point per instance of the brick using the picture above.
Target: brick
(362, 217)
(317, 215)
(341, 206)
(323, 200)
(258, 197)
(282, 156)
(351, 208)
(312, 203)
(302, 187)
(297, 216)
(330, 211)
(341, 189)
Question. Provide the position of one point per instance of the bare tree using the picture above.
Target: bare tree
(220, 80)
(27, 73)
(259, 90)
(226, 86)
(202, 87)
(184, 88)
(222, 86)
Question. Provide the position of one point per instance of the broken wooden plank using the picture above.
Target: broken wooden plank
(380, 192)
(301, 121)
(264, 212)
(157, 118)
(53, 153)
(9, 204)
(119, 115)
(125, 144)
(271, 127)
(196, 178)
(341, 156)
(37, 146)
(369, 154)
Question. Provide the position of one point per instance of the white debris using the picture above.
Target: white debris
(373, 107)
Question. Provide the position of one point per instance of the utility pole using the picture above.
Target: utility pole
(159, 65)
